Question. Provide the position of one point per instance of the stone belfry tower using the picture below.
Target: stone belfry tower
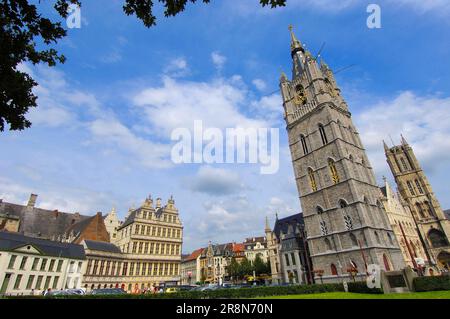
(345, 224)
(414, 187)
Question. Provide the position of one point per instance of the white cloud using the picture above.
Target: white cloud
(259, 84)
(218, 60)
(216, 181)
(424, 121)
(177, 104)
(177, 67)
(149, 154)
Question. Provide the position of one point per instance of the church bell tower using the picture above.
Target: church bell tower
(414, 187)
(346, 226)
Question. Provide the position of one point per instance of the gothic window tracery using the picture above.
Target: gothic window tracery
(411, 188)
(419, 186)
(312, 180)
(348, 222)
(323, 228)
(333, 171)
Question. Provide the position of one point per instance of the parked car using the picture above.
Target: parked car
(75, 291)
(171, 290)
(108, 291)
(49, 293)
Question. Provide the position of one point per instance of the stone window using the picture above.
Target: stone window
(323, 228)
(348, 222)
(405, 167)
(323, 134)
(419, 187)
(342, 203)
(411, 189)
(304, 145)
(333, 270)
(312, 179)
(333, 171)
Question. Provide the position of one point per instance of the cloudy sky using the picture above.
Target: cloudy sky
(101, 134)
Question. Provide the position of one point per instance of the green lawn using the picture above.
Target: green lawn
(349, 295)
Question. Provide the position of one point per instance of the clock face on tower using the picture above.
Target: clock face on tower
(300, 96)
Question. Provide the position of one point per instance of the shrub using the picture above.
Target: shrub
(431, 283)
(217, 294)
(361, 287)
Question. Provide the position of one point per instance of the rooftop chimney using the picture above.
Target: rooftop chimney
(32, 200)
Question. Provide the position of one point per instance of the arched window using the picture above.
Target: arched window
(411, 188)
(342, 203)
(405, 167)
(437, 238)
(319, 210)
(328, 244)
(304, 145)
(419, 186)
(333, 270)
(323, 134)
(353, 240)
(312, 180)
(333, 171)
(428, 208)
(420, 210)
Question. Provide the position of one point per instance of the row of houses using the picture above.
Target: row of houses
(210, 264)
(42, 249)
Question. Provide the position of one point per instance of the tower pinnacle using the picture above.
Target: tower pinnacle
(296, 45)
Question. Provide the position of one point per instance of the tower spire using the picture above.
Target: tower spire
(296, 45)
(386, 148)
(404, 142)
(267, 224)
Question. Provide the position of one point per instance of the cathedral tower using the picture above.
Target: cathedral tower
(346, 226)
(414, 187)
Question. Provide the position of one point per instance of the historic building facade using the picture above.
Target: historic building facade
(152, 239)
(112, 223)
(31, 265)
(404, 227)
(414, 187)
(273, 248)
(256, 246)
(190, 268)
(32, 221)
(289, 256)
(346, 228)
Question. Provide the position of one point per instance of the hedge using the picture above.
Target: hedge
(431, 283)
(214, 294)
(361, 287)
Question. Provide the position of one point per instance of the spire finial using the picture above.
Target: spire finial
(404, 142)
(295, 43)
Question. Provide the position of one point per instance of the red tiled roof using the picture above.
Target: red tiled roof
(194, 254)
(238, 247)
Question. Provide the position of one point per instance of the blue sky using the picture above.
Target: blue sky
(101, 134)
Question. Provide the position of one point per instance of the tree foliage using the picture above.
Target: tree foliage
(22, 27)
